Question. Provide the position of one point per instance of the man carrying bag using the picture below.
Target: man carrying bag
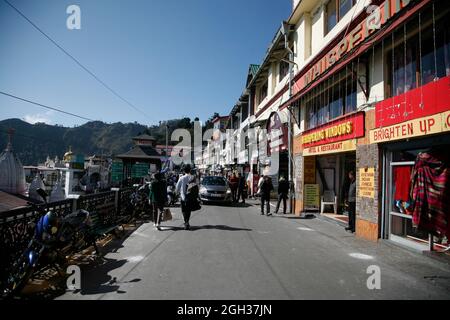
(188, 189)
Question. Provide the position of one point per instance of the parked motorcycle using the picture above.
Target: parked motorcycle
(172, 195)
(54, 237)
(139, 200)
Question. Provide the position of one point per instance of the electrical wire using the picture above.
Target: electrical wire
(44, 106)
(76, 60)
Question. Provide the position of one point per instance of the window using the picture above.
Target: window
(284, 70)
(214, 181)
(263, 92)
(335, 11)
(331, 99)
(416, 55)
(331, 15)
(244, 111)
(344, 7)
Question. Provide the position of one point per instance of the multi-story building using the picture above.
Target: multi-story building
(363, 86)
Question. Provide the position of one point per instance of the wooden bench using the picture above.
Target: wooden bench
(101, 227)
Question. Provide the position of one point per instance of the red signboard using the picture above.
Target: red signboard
(388, 10)
(426, 100)
(350, 127)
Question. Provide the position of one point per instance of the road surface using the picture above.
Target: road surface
(235, 253)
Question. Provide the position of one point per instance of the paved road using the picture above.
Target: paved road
(235, 253)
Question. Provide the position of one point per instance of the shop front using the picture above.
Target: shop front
(416, 175)
(329, 154)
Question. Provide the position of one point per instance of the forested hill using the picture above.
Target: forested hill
(34, 142)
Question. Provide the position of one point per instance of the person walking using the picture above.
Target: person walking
(241, 188)
(181, 188)
(266, 188)
(351, 202)
(283, 190)
(158, 197)
(233, 181)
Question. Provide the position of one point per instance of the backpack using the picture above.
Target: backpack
(192, 192)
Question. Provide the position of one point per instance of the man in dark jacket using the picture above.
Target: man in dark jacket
(266, 188)
(241, 188)
(283, 190)
(351, 202)
(158, 197)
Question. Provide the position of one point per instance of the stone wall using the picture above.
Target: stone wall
(368, 210)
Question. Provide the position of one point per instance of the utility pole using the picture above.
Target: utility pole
(167, 143)
(285, 27)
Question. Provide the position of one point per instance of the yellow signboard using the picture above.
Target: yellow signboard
(366, 183)
(341, 146)
(414, 128)
(311, 196)
(309, 170)
(446, 121)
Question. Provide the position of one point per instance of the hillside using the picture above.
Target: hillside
(34, 142)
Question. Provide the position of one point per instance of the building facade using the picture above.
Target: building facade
(358, 86)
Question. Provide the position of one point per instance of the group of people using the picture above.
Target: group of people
(265, 187)
(238, 187)
(158, 196)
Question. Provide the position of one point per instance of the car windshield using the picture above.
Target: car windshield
(213, 181)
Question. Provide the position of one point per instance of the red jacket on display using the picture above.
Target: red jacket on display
(402, 176)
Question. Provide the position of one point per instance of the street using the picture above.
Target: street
(235, 253)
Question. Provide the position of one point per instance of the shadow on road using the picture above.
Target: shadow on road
(308, 217)
(205, 227)
(96, 279)
(228, 205)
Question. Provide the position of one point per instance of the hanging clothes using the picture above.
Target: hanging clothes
(430, 193)
(402, 176)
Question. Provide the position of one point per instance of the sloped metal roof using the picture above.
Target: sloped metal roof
(140, 152)
(144, 137)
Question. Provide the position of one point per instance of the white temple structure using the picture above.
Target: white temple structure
(36, 184)
(12, 174)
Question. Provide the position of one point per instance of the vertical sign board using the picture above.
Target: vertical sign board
(366, 183)
(311, 196)
(309, 170)
(117, 171)
(298, 169)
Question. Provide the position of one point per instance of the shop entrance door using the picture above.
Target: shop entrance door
(399, 223)
(399, 160)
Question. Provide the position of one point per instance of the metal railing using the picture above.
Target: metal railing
(17, 225)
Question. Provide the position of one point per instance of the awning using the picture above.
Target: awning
(261, 121)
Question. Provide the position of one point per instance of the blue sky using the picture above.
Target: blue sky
(169, 58)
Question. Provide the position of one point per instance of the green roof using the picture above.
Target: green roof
(253, 69)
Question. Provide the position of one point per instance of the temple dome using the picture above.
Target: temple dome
(68, 155)
(12, 174)
(36, 184)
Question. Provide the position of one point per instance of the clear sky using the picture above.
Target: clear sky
(170, 58)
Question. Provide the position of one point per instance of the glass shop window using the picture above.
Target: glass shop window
(418, 52)
(331, 99)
